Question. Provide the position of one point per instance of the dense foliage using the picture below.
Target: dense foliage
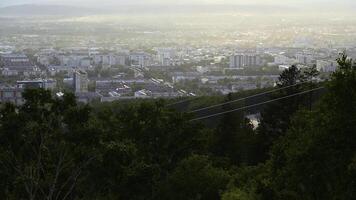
(54, 148)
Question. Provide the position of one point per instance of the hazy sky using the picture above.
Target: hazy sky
(117, 2)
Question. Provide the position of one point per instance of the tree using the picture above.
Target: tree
(141, 144)
(315, 159)
(194, 178)
(276, 116)
(120, 173)
(234, 139)
(46, 144)
(309, 75)
(237, 194)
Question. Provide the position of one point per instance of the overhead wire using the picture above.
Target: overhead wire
(248, 97)
(258, 104)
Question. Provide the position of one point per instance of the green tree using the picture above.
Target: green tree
(45, 146)
(234, 139)
(276, 116)
(315, 159)
(146, 142)
(195, 178)
(237, 194)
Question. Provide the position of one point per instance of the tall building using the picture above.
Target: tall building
(244, 60)
(80, 80)
(165, 56)
(305, 58)
(139, 59)
(122, 59)
(326, 66)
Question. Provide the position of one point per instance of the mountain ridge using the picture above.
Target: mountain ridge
(42, 10)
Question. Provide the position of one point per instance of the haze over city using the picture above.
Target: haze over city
(177, 99)
(113, 2)
(301, 4)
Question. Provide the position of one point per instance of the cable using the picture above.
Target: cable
(245, 98)
(183, 101)
(254, 105)
(217, 105)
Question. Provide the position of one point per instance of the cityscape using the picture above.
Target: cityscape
(185, 58)
(177, 100)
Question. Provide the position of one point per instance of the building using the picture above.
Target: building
(80, 81)
(16, 64)
(305, 58)
(85, 62)
(8, 72)
(121, 60)
(143, 94)
(34, 84)
(54, 69)
(15, 59)
(140, 59)
(326, 66)
(11, 95)
(283, 60)
(101, 59)
(244, 60)
(112, 86)
(165, 56)
(73, 60)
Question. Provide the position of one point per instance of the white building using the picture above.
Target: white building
(9, 72)
(104, 59)
(121, 59)
(143, 94)
(80, 80)
(326, 66)
(165, 56)
(140, 59)
(71, 60)
(244, 60)
(85, 62)
(17, 64)
(305, 58)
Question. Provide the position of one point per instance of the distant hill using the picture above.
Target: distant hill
(62, 10)
(44, 10)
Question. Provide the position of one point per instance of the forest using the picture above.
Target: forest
(303, 149)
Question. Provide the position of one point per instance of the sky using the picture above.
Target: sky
(145, 2)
